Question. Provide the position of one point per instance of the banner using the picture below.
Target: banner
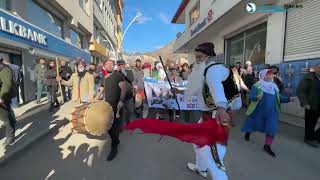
(159, 95)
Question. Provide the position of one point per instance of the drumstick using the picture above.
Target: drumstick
(59, 82)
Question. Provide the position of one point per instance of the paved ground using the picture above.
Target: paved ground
(63, 155)
(34, 121)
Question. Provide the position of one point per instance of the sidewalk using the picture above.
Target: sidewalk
(34, 122)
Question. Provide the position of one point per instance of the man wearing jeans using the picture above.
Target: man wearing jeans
(40, 70)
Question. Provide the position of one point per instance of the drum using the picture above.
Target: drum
(92, 118)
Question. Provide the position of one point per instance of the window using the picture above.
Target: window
(195, 13)
(84, 4)
(44, 19)
(76, 39)
(5, 4)
(248, 46)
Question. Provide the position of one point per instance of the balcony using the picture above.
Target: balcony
(97, 49)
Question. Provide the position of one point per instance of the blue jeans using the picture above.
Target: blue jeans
(40, 88)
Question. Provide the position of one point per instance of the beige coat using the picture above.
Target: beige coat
(86, 91)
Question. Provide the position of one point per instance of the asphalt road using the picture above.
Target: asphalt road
(63, 155)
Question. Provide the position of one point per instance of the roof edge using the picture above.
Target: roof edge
(181, 8)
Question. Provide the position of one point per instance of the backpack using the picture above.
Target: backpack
(230, 87)
(14, 87)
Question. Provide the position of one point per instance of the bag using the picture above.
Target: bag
(14, 87)
(230, 87)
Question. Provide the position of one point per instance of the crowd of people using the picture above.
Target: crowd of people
(122, 87)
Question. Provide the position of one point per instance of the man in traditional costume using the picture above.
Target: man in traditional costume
(217, 92)
(213, 85)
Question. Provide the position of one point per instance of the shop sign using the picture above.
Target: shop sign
(199, 27)
(21, 31)
(203, 23)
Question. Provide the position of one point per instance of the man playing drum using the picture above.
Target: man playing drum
(115, 92)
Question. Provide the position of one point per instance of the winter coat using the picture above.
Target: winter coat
(308, 91)
(51, 77)
(84, 92)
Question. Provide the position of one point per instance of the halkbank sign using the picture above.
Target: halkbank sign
(21, 31)
(17, 30)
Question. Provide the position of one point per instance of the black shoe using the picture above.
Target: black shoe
(113, 153)
(268, 150)
(247, 136)
(311, 143)
(57, 105)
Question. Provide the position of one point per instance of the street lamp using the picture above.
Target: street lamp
(139, 14)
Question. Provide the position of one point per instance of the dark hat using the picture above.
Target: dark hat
(121, 62)
(206, 48)
(81, 61)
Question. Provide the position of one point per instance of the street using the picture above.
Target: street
(66, 155)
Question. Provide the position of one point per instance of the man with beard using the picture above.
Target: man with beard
(82, 83)
(138, 85)
(65, 73)
(207, 83)
(114, 88)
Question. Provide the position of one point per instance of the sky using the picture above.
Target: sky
(153, 29)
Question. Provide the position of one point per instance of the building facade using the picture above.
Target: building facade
(105, 42)
(65, 30)
(288, 39)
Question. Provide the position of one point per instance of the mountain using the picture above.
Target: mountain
(166, 52)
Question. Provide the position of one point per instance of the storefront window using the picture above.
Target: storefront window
(76, 38)
(5, 4)
(235, 49)
(248, 46)
(43, 19)
(195, 13)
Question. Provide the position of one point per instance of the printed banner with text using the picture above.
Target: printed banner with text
(159, 96)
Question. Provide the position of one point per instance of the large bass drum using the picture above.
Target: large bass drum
(92, 118)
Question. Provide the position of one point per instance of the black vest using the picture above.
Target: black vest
(230, 87)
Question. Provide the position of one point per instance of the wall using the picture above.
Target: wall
(275, 38)
(78, 14)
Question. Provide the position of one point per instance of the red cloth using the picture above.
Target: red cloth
(207, 133)
(104, 72)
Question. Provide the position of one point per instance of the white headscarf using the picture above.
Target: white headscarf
(266, 86)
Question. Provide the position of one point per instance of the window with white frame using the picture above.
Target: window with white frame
(195, 13)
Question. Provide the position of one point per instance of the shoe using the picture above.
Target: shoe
(268, 150)
(247, 136)
(194, 168)
(311, 143)
(38, 102)
(9, 141)
(113, 153)
(57, 105)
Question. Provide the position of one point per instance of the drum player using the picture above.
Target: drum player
(114, 88)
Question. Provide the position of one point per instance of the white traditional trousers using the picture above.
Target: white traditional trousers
(205, 161)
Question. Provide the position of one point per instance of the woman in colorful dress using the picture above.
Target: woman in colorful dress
(263, 111)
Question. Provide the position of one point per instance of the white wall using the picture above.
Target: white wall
(275, 38)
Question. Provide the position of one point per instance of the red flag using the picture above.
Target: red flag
(209, 132)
